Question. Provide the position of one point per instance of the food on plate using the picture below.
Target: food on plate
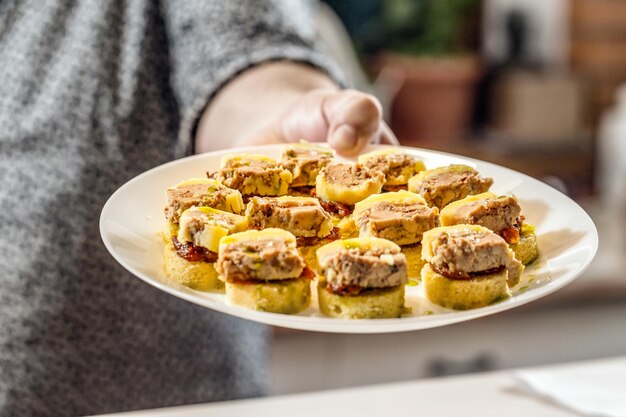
(501, 214)
(468, 266)
(190, 254)
(443, 185)
(468, 246)
(348, 183)
(361, 278)
(304, 161)
(184, 261)
(397, 166)
(304, 217)
(254, 175)
(342, 184)
(401, 217)
(201, 192)
(527, 249)
(263, 270)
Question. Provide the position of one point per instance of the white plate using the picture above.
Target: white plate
(132, 219)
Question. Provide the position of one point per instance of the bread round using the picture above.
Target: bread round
(308, 254)
(526, 250)
(287, 296)
(380, 303)
(200, 276)
(414, 260)
(464, 294)
(169, 230)
(347, 226)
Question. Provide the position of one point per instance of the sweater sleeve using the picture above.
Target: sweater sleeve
(211, 41)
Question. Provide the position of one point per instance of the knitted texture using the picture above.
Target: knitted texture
(93, 93)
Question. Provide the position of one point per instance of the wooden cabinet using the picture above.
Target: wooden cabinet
(598, 48)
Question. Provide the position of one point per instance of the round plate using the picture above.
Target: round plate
(132, 220)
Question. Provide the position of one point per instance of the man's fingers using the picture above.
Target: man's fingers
(354, 118)
(348, 120)
(306, 120)
(344, 138)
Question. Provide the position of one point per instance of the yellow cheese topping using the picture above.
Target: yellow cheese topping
(206, 226)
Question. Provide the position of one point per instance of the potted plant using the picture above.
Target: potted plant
(430, 50)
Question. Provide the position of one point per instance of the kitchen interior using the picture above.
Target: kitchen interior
(538, 86)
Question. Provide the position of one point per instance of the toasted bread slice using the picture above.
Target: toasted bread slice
(285, 297)
(379, 303)
(526, 250)
(464, 294)
(199, 275)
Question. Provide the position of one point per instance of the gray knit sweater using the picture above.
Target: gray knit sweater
(93, 93)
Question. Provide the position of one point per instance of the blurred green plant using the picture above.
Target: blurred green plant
(428, 27)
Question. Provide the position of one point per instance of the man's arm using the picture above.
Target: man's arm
(283, 102)
(246, 72)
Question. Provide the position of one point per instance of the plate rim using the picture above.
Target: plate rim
(363, 326)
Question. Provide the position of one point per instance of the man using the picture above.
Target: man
(93, 93)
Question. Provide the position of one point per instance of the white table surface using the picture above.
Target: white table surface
(490, 394)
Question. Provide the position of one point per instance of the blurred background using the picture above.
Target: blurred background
(535, 85)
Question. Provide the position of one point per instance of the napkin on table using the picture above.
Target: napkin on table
(592, 389)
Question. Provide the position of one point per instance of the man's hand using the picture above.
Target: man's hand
(347, 119)
(287, 102)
